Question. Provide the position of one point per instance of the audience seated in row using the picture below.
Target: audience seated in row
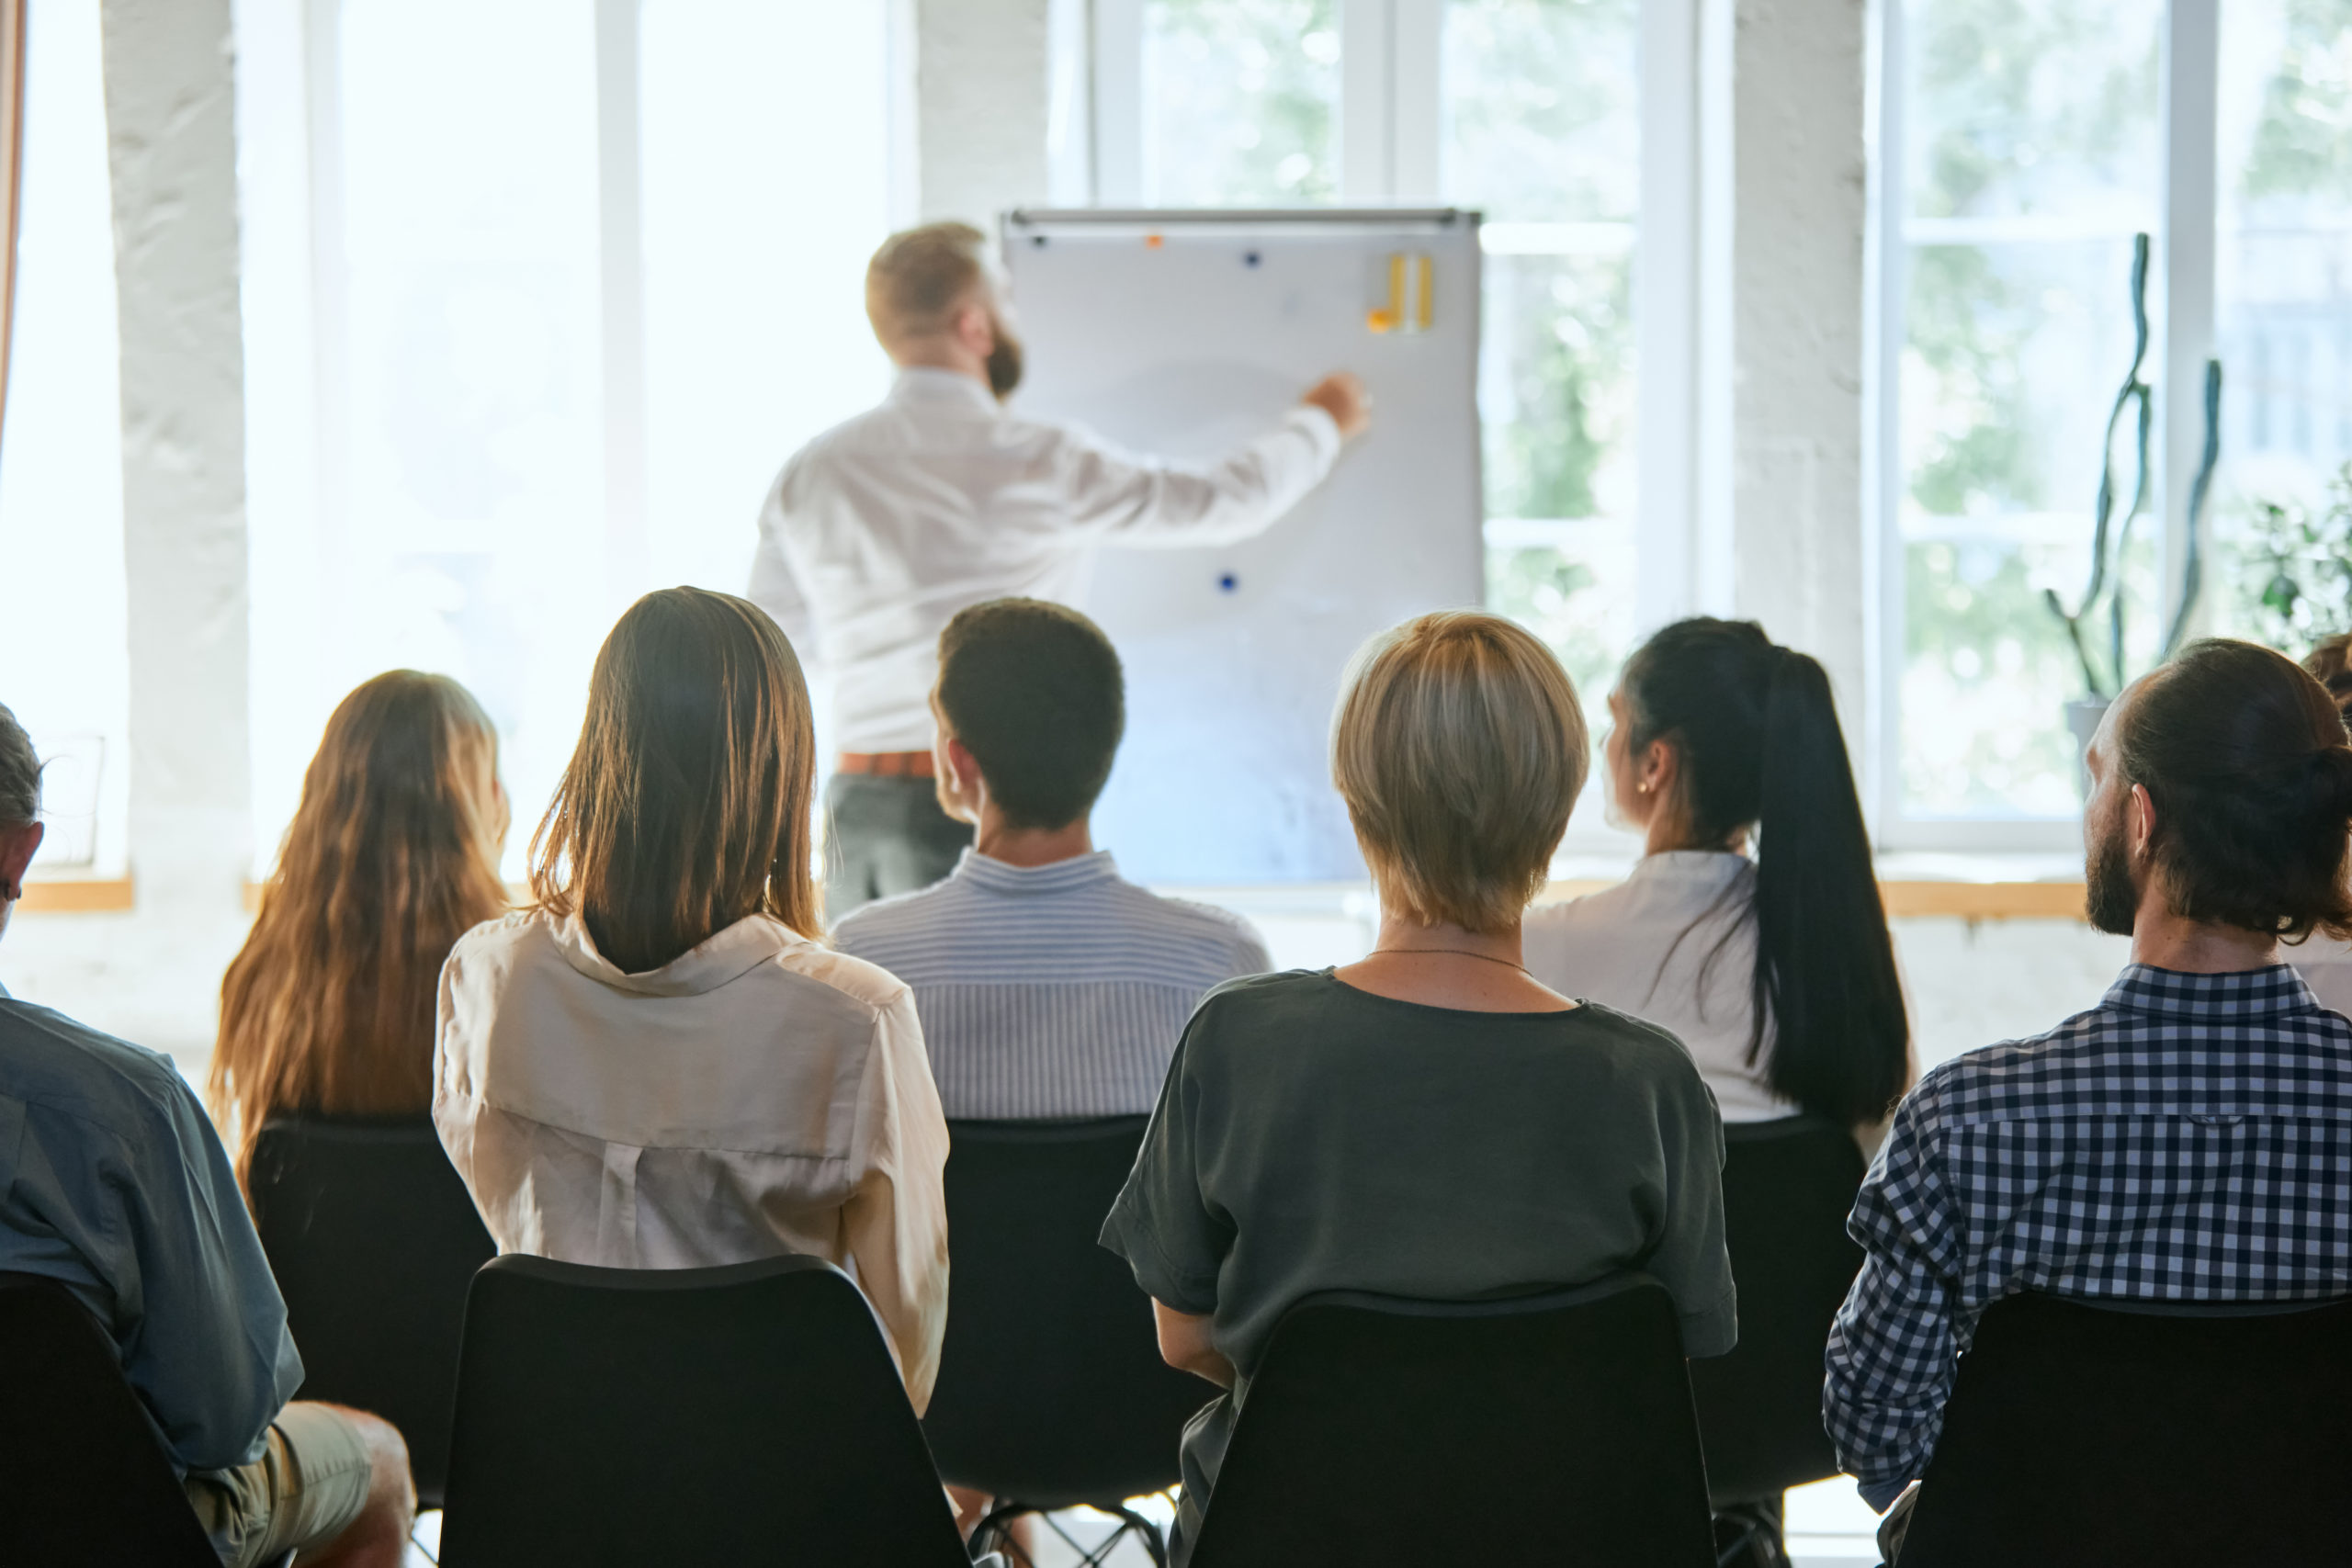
(658, 1064)
(1776, 972)
(1428, 1120)
(2186, 1140)
(392, 856)
(1048, 985)
(119, 1188)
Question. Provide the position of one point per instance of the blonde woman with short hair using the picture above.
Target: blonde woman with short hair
(1428, 1122)
(658, 1064)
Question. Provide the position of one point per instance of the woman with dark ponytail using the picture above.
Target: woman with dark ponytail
(1752, 927)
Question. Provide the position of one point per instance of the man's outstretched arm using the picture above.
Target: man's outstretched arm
(1119, 498)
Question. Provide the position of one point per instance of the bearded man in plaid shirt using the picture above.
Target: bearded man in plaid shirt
(2189, 1139)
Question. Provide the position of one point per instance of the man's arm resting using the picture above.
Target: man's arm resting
(1893, 1350)
(1184, 1344)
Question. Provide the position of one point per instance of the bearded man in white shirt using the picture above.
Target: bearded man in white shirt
(878, 532)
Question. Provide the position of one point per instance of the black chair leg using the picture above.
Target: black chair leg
(1134, 1524)
(994, 1533)
(1749, 1535)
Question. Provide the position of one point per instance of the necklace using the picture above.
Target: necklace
(1457, 952)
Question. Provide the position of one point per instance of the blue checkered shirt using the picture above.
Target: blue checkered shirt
(2188, 1139)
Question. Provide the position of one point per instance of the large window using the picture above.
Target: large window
(1240, 102)
(2024, 142)
(64, 660)
(553, 336)
(1529, 111)
(2030, 157)
(1543, 132)
(2283, 317)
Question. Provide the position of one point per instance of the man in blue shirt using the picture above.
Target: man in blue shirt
(2186, 1140)
(1048, 985)
(113, 1183)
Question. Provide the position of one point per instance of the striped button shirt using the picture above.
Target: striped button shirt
(1050, 991)
(2188, 1139)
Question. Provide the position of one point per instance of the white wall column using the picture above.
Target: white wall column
(171, 112)
(983, 97)
(1782, 208)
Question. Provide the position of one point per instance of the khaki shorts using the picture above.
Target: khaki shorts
(305, 1490)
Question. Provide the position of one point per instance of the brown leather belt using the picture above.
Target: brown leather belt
(886, 764)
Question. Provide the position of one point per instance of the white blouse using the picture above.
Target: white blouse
(2325, 965)
(758, 1095)
(1674, 943)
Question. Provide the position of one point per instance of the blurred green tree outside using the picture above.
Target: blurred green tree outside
(2017, 110)
(1246, 95)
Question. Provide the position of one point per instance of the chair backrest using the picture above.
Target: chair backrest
(1051, 1387)
(1550, 1428)
(83, 1483)
(1787, 1186)
(2085, 1434)
(742, 1415)
(374, 1240)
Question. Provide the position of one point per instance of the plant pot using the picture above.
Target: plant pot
(2083, 719)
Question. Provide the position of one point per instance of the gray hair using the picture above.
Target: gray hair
(19, 774)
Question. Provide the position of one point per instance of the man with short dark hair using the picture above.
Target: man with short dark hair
(114, 1184)
(1048, 985)
(2187, 1139)
(884, 527)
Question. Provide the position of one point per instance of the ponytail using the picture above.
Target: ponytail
(1825, 962)
(1760, 746)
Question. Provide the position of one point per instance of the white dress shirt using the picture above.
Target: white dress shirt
(881, 530)
(1674, 943)
(757, 1096)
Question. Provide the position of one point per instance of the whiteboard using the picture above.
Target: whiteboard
(1181, 334)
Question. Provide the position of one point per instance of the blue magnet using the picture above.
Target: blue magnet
(1229, 582)
(1250, 258)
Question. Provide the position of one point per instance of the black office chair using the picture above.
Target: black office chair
(2094, 1435)
(82, 1482)
(1051, 1390)
(1550, 1428)
(373, 1239)
(744, 1415)
(1787, 1186)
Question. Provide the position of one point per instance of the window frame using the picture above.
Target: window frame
(1391, 59)
(303, 416)
(2182, 286)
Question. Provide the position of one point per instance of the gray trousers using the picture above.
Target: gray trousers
(887, 836)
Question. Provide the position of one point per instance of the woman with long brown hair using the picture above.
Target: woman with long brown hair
(392, 855)
(658, 1064)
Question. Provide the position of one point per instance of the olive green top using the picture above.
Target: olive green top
(1312, 1136)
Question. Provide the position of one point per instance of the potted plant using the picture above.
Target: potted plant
(2105, 671)
(2295, 569)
